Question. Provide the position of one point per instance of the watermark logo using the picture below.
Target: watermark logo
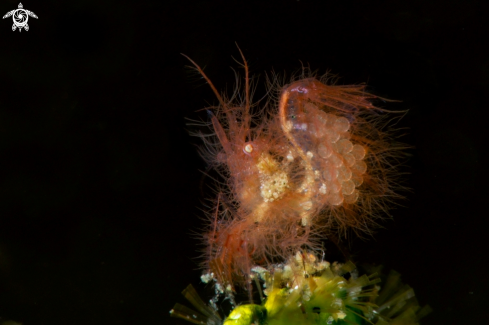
(20, 17)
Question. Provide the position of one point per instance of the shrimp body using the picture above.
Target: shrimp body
(314, 163)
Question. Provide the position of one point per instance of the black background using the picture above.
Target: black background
(100, 186)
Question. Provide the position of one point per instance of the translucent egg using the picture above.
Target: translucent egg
(358, 152)
(330, 175)
(324, 151)
(360, 166)
(332, 135)
(348, 187)
(344, 173)
(349, 159)
(322, 117)
(341, 124)
(330, 120)
(334, 187)
(335, 160)
(335, 199)
(344, 146)
(317, 130)
(357, 179)
(352, 198)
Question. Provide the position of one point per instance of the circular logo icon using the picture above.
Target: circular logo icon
(20, 17)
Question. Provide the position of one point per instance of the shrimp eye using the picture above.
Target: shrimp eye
(248, 148)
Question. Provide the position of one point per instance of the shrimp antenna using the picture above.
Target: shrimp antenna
(247, 79)
(246, 112)
(198, 68)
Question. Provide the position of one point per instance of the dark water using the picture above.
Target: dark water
(100, 186)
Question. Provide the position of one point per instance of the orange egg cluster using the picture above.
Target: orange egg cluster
(336, 162)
